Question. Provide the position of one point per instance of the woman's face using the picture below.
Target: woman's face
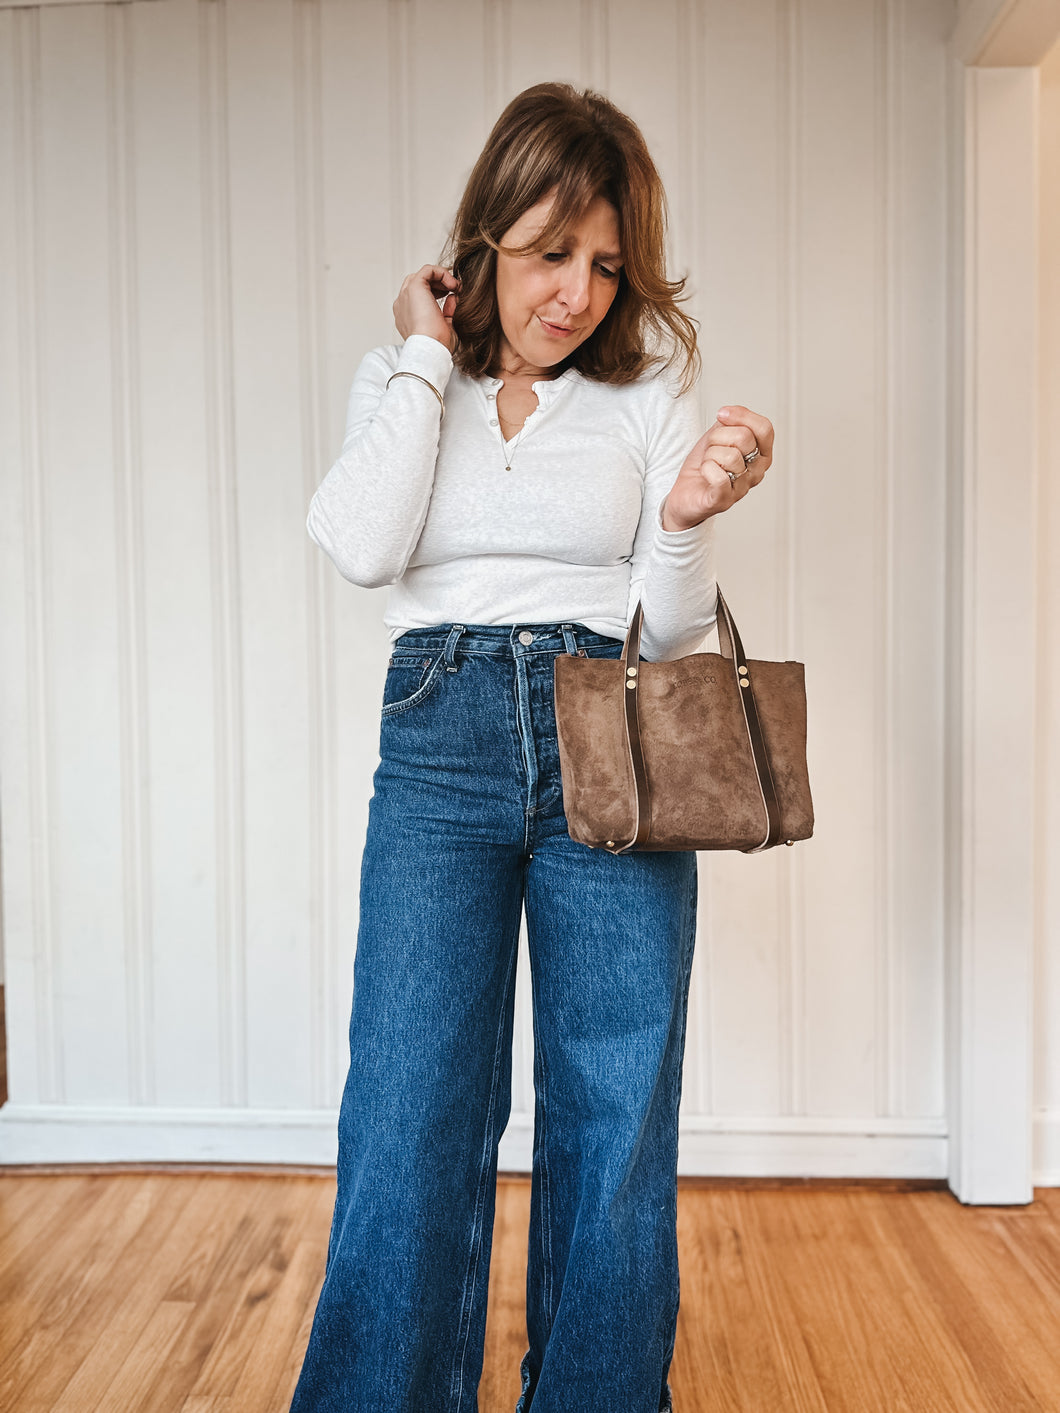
(551, 302)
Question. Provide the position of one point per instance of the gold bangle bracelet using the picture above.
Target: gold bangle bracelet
(404, 373)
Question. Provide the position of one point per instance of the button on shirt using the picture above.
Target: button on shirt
(571, 534)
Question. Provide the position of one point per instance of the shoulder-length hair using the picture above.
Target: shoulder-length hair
(551, 137)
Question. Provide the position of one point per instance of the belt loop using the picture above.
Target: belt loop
(450, 646)
(569, 641)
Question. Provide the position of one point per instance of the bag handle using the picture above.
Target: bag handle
(731, 648)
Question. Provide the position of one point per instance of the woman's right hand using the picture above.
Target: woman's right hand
(416, 308)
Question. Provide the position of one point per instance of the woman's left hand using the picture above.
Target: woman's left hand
(703, 486)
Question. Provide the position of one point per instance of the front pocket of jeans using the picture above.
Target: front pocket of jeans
(410, 680)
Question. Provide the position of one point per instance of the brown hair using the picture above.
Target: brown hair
(553, 137)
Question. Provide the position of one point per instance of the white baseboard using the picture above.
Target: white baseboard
(813, 1147)
(714, 1147)
(54, 1133)
(1045, 1165)
(788, 1147)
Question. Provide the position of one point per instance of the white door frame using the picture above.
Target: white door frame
(995, 49)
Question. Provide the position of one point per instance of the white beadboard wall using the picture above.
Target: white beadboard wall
(206, 207)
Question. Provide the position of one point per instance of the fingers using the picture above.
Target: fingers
(761, 428)
(740, 437)
(732, 459)
(416, 306)
(712, 479)
(709, 486)
(717, 466)
(736, 435)
(723, 491)
(715, 473)
(710, 452)
(731, 448)
(433, 277)
(437, 278)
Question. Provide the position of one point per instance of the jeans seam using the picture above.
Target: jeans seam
(475, 1250)
(544, 1184)
(525, 731)
(426, 687)
(691, 900)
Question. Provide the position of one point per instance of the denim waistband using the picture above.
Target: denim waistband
(502, 639)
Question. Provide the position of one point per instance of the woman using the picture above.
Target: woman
(521, 469)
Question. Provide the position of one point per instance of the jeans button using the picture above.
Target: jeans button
(526, 638)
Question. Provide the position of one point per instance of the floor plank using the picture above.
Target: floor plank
(194, 1291)
(506, 1308)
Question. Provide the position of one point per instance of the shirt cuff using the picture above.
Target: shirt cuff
(428, 357)
(677, 538)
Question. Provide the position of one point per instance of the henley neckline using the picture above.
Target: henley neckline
(546, 390)
(548, 384)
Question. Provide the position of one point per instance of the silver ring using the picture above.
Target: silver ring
(748, 459)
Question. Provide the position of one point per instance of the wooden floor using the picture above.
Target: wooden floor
(193, 1292)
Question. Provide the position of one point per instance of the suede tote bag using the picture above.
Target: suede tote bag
(705, 752)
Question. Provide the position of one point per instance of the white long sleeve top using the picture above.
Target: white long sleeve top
(571, 534)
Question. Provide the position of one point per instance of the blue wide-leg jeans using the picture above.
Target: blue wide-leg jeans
(466, 828)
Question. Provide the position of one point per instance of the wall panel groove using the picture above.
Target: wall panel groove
(224, 555)
(595, 66)
(791, 1050)
(320, 634)
(684, 237)
(47, 972)
(129, 538)
(883, 455)
(401, 141)
(496, 79)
